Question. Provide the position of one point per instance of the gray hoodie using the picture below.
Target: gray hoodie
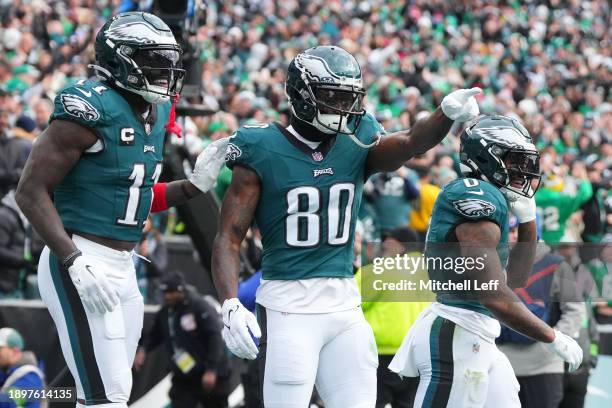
(538, 358)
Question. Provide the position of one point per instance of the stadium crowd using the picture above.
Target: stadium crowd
(548, 63)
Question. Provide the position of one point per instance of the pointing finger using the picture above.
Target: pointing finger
(473, 91)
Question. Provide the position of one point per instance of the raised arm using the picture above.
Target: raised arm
(237, 212)
(397, 148)
(55, 152)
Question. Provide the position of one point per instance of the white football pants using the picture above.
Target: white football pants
(336, 351)
(99, 349)
(457, 368)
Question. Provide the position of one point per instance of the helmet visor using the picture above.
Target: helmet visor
(161, 67)
(523, 161)
(523, 169)
(339, 100)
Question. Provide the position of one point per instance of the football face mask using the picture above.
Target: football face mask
(521, 171)
(338, 100)
(158, 70)
(337, 106)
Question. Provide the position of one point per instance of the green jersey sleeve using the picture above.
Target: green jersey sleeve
(584, 194)
(369, 129)
(244, 148)
(82, 104)
(475, 200)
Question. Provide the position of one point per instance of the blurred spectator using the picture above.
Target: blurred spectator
(15, 257)
(390, 195)
(423, 205)
(25, 128)
(551, 294)
(601, 270)
(150, 262)
(13, 155)
(594, 210)
(190, 328)
(390, 322)
(18, 371)
(575, 383)
(42, 111)
(557, 202)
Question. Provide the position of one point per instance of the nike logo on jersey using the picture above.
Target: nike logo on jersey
(86, 93)
(148, 148)
(320, 172)
(477, 192)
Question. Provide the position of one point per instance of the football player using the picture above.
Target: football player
(452, 345)
(303, 186)
(100, 157)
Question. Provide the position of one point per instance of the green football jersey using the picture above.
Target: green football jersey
(108, 192)
(309, 198)
(463, 200)
(390, 202)
(556, 207)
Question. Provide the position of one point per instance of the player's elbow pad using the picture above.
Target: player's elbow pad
(159, 198)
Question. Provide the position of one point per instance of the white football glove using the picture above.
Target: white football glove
(460, 105)
(91, 284)
(238, 325)
(208, 165)
(568, 349)
(522, 207)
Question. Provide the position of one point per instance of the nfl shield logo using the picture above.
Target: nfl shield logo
(317, 156)
(148, 128)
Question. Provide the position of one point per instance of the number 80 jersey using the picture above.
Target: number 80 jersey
(309, 198)
(108, 192)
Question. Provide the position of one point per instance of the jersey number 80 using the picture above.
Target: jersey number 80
(303, 222)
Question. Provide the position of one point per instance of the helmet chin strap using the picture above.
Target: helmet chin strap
(472, 172)
(101, 72)
(363, 145)
(308, 130)
(150, 97)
